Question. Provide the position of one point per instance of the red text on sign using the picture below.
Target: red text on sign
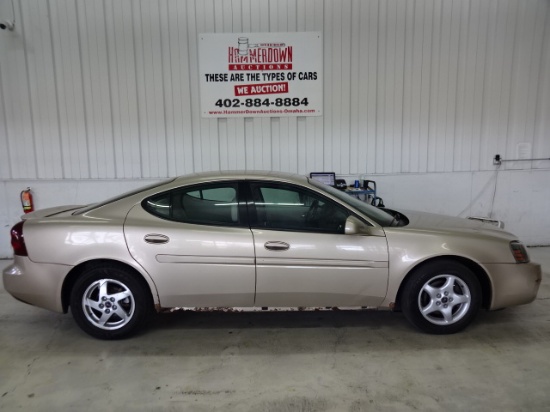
(266, 88)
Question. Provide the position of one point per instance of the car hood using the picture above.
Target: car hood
(435, 222)
(51, 211)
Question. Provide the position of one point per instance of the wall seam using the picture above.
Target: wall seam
(164, 98)
(29, 93)
(110, 86)
(84, 105)
(140, 131)
(57, 105)
(5, 125)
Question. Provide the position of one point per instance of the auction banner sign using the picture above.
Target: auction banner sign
(261, 74)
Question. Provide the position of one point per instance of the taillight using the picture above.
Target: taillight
(17, 240)
(519, 252)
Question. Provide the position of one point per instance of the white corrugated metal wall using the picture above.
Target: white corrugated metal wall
(109, 89)
(96, 90)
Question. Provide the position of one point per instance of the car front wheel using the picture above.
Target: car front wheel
(441, 297)
(108, 302)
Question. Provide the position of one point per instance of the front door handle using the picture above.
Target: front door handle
(156, 239)
(277, 246)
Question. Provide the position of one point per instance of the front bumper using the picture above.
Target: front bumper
(514, 284)
(37, 284)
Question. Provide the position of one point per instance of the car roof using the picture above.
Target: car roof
(239, 174)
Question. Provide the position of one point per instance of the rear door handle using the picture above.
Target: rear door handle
(156, 239)
(277, 246)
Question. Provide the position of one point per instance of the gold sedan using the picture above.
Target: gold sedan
(261, 240)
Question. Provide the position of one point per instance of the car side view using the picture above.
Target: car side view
(260, 240)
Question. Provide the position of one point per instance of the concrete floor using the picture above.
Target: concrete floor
(306, 361)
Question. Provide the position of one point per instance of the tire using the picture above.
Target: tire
(108, 302)
(441, 297)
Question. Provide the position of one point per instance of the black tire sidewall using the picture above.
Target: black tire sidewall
(422, 275)
(143, 303)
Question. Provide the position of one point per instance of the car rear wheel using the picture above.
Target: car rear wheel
(441, 297)
(108, 302)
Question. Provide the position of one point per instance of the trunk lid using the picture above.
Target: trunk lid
(51, 211)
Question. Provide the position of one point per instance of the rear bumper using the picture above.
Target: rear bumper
(37, 284)
(514, 284)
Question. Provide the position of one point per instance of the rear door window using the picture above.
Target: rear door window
(209, 204)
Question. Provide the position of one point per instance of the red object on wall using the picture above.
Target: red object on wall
(26, 200)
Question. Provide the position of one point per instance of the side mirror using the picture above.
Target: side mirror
(355, 226)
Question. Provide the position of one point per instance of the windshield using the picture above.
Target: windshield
(122, 196)
(379, 216)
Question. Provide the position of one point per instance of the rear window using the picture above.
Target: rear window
(122, 196)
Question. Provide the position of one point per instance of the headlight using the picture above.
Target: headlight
(519, 252)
